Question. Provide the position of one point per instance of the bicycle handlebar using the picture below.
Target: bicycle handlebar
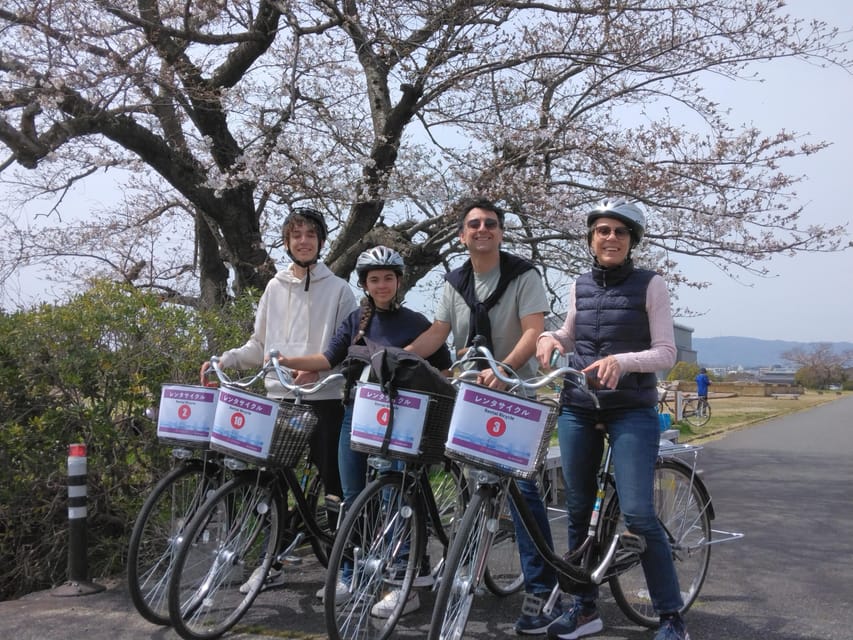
(284, 376)
(478, 351)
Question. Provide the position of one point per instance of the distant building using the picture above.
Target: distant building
(684, 344)
(777, 374)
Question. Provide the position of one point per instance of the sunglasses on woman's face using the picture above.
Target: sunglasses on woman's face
(604, 231)
(475, 223)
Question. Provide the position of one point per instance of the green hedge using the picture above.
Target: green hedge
(86, 371)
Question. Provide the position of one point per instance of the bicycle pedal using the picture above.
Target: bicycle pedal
(290, 560)
(631, 542)
(531, 605)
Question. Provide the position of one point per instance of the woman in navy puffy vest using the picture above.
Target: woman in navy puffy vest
(618, 330)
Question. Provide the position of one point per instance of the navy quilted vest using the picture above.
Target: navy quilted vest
(611, 318)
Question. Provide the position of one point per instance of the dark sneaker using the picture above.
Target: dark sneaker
(672, 629)
(534, 621)
(577, 622)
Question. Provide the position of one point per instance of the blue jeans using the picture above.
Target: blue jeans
(634, 438)
(352, 464)
(539, 576)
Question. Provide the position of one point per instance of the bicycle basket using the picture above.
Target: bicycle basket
(261, 430)
(419, 427)
(186, 414)
(500, 432)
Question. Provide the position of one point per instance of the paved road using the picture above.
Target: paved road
(785, 483)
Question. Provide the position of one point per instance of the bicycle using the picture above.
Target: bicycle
(184, 419)
(695, 410)
(412, 497)
(404, 517)
(609, 553)
(258, 518)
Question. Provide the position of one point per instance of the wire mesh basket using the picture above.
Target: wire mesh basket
(500, 432)
(419, 427)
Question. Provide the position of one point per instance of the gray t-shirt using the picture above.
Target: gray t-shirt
(524, 295)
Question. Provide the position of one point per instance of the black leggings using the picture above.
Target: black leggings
(324, 443)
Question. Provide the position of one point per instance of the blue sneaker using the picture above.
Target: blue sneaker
(576, 623)
(534, 621)
(672, 629)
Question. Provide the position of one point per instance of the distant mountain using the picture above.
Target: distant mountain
(750, 353)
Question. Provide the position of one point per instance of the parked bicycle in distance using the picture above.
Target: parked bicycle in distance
(696, 411)
(609, 554)
(256, 519)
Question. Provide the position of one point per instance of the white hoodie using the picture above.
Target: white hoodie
(296, 322)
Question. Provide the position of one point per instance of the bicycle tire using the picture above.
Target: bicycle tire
(449, 488)
(223, 544)
(465, 561)
(683, 509)
(504, 576)
(382, 534)
(151, 548)
(697, 415)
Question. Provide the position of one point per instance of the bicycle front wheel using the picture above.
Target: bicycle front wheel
(151, 549)
(377, 549)
(235, 532)
(684, 512)
(465, 565)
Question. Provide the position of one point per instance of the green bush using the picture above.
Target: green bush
(86, 371)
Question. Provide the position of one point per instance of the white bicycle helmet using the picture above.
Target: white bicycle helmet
(379, 257)
(621, 209)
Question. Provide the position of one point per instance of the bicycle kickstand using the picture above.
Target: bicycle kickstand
(627, 542)
(287, 557)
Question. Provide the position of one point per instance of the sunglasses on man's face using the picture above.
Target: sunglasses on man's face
(475, 223)
(604, 231)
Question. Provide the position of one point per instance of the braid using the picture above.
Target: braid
(367, 311)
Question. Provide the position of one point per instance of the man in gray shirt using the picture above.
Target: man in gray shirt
(501, 297)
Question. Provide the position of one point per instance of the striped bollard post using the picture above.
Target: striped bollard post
(78, 583)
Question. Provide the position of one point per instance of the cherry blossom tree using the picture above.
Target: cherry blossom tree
(211, 118)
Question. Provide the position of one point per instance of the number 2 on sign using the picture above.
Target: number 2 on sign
(495, 426)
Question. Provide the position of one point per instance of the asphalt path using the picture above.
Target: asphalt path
(785, 484)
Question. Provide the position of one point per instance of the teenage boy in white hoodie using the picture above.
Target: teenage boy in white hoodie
(298, 314)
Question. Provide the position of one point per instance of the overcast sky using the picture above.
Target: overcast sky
(808, 298)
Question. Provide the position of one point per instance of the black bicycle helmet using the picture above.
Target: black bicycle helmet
(378, 257)
(621, 209)
(313, 216)
(315, 219)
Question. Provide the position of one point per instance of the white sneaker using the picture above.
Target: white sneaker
(258, 577)
(385, 607)
(341, 593)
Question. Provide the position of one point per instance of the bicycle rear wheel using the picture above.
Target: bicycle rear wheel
(377, 549)
(683, 510)
(697, 413)
(227, 539)
(464, 567)
(503, 573)
(450, 491)
(151, 549)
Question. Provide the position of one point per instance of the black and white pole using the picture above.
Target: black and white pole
(78, 569)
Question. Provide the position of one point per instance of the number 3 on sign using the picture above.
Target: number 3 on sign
(496, 426)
